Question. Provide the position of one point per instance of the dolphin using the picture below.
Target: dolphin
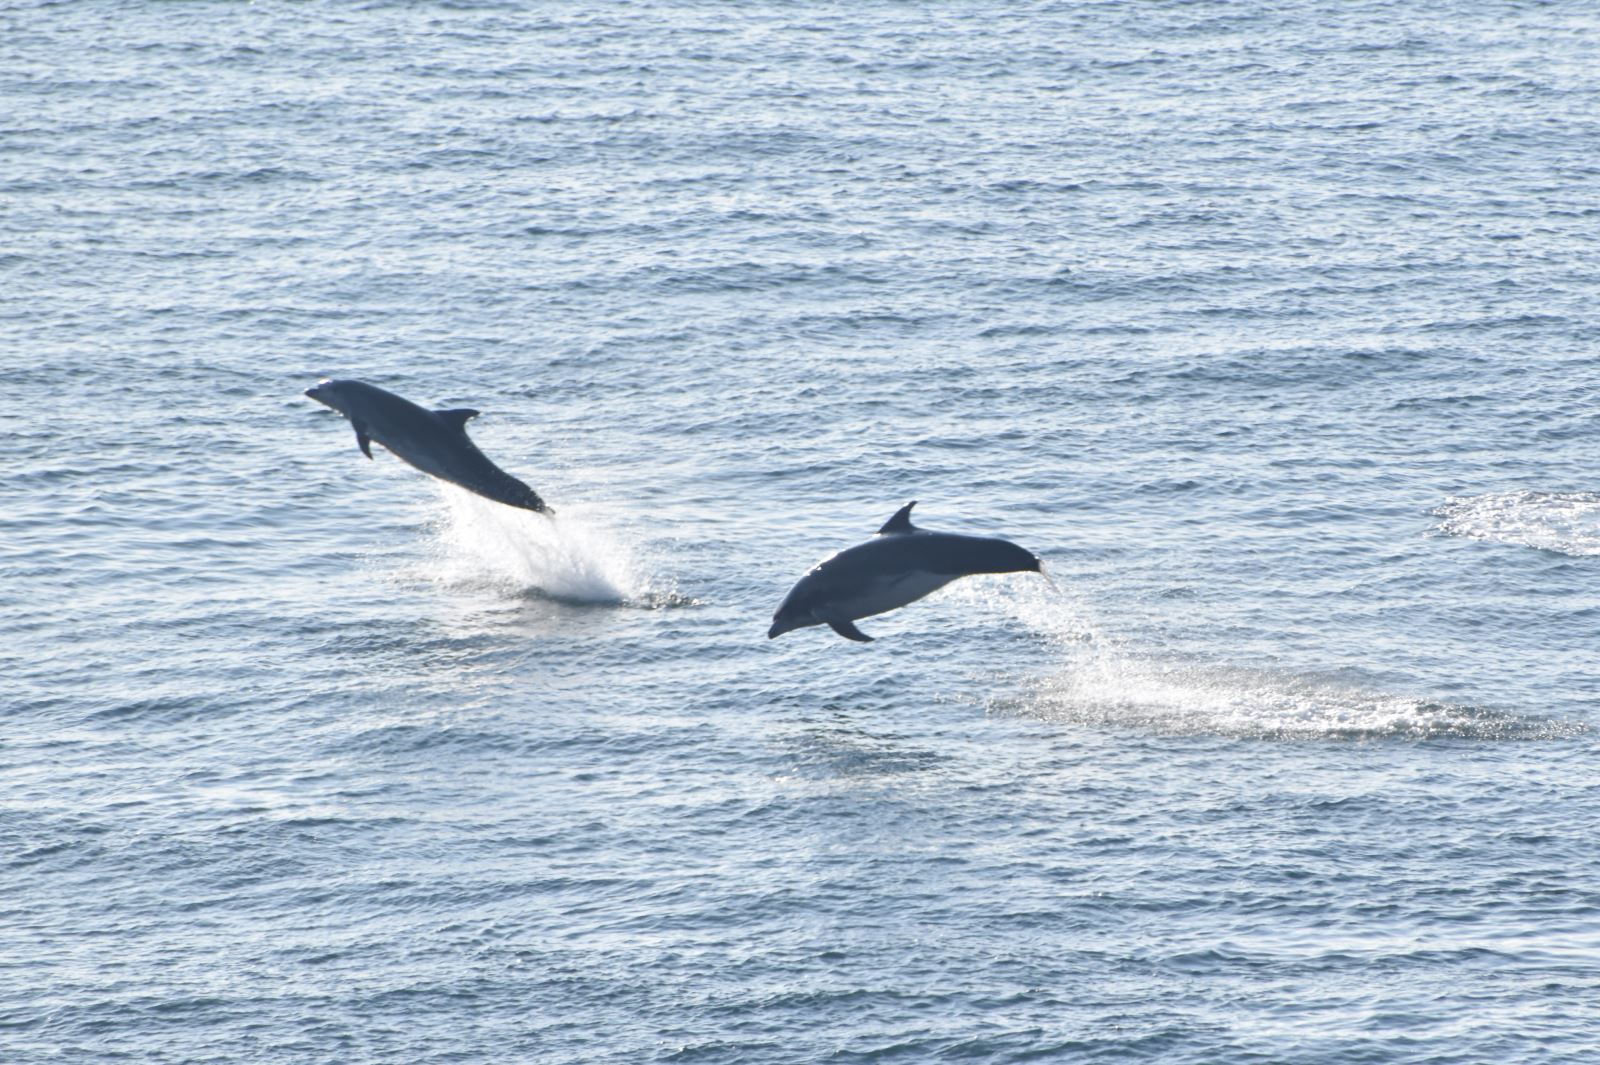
(898, 566)
(434, 441)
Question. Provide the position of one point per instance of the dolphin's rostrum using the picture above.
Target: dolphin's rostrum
(898, 566)
(434, 441)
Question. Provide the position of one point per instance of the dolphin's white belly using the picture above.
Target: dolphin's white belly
(890, 592)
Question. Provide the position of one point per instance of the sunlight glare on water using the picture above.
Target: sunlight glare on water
(1565, 522)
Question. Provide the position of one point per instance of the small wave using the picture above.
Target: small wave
(1564, 522)
(569, 558)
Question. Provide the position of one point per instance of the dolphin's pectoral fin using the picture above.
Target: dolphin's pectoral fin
(458, 417)
(847, 628)
(901, 522)
(363, 439)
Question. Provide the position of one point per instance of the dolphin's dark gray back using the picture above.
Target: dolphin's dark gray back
(433, 441)
(960, 556)
(948, 553)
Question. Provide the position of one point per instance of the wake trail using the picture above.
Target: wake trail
(1102, 682)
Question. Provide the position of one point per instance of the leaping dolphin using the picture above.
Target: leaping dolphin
(434, 441)
(898, 566)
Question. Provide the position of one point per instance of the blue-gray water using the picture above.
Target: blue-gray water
(1272, 327)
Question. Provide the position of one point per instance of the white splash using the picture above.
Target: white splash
(572, 556)
(1566, 522)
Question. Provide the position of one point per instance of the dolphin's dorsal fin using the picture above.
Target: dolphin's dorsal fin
(457, 417)
(901, 522)
(363, 441)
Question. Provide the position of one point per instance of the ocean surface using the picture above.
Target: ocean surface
(1274, 328)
